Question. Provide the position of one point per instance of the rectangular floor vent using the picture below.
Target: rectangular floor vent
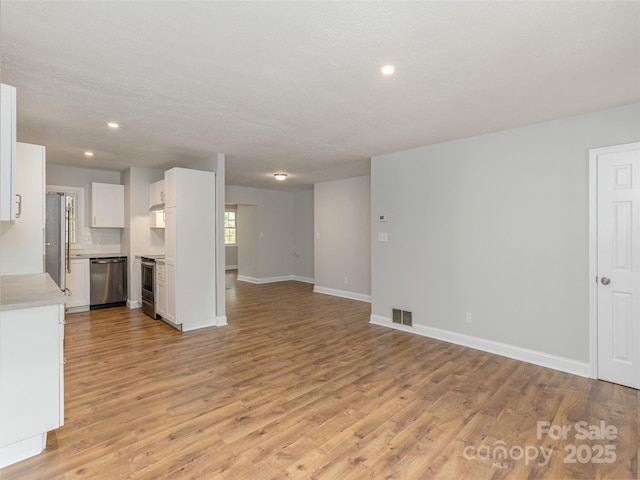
(402, 317)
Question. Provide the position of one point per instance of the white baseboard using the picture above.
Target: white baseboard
(221, 320)
(207, 322)
(343, 293)
(244, 278)
(84, 308)
(231, 267)
(542, 359)
(22, 449)
(302, 279)
(133, 304)
(283, 278)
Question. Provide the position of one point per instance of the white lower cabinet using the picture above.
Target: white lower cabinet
(32, 379)
(161, 288)
(78, 285)
(138, 286)
(171, 292)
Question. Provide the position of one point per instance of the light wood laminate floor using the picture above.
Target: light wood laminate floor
(300, 385)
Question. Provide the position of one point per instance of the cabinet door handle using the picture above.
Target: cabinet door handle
(19, 203)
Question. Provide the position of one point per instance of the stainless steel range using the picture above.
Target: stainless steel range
(148, 284)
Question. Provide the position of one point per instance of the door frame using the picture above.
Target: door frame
(593, 248)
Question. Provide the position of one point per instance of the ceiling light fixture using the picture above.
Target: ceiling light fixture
(388, 69)
(280, 176)
(88, 154)
(113, 125)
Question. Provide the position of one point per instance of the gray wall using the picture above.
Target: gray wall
(277, 232)
(231, 256)
(248, 234)
(303, 251)
(342, 246)
(495, 225)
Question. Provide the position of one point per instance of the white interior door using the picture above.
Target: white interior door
(618, 259)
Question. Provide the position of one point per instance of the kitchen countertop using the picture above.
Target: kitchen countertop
(27, 291)
(156, 256)
(96, 255)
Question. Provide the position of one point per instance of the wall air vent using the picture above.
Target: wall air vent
(402, 317)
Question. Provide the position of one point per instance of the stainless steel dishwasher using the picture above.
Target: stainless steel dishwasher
(108, 282)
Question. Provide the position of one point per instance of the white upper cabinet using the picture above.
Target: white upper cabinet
(22, 241)
(170, 188)
(156, 194)
(7, 153)
(107, 205)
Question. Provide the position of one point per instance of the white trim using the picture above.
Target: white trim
(593, 248)
(282, 278)
(303, 279)
(342, 293)
(231, 267)
(593, 263)
(133, 304)
(221, 320)
(206, 322)
(22, 449)
(81, 308)
(542, 359)
(244, 278)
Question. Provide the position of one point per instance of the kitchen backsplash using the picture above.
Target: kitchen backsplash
(101, 240)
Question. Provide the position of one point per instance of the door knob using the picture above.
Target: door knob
(605, 280)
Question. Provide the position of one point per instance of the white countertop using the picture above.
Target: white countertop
(96, 255)
(27, 291)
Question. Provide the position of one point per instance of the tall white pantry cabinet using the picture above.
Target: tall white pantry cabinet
(190, 248)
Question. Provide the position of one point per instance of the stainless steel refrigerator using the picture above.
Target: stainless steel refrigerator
(56, 247)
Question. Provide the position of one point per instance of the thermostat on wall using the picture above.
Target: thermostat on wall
(382, 218)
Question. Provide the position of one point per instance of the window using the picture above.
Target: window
(74, 200)
(230, 227)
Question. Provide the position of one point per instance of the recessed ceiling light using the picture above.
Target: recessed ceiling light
(113, 125)
(280, 176)
(388, 69)
(88, 154)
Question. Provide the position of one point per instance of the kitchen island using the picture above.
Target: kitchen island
(31, 364)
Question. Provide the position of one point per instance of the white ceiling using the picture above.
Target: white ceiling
(294, 86)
